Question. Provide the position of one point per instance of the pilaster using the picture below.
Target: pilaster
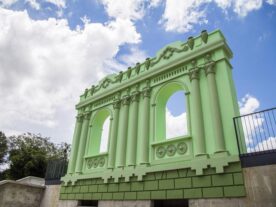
(75, 144)
(132, 130)
(113, 135)
(215, 108)
(144, 159)
(81, 147)
(197, 119)
(122, 133)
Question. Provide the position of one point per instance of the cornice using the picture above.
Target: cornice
(157, 70)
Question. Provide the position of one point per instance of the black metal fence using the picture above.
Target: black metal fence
(55, 170)
(256, 135)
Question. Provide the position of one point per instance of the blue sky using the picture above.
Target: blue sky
(51, 50)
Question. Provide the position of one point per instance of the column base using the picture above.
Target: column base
(202, 156)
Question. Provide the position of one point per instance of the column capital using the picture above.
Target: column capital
(86, 115)
(126, 100)
(117, 104)
(209, 68)
(194, 74)
(135, 96)
(146, 92)
(79, 117)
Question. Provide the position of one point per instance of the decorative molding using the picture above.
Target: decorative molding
(168, 53)
(125, 100)
(194, 74)
(135, 96)
(146, 92)
(191, 42)
(161, 152)
(209, 68)
(117, 104)
(170, 74)
(204, 36)
(137, 68)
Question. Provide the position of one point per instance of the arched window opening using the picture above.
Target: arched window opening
(171, 119)
(98, 141)
(105, 135)
(176, 115)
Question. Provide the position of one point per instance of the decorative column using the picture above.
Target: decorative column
(132, 130)
(75, 144)
(215, 109)
(113, 135)
(81, 148)
(122, 133)
(198, 126)
(144, 159)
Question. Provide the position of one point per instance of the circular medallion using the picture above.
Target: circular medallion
(181, 148)
(89, 163)
(101, 162)
(171, 149)
(160, 152)
(96, 163)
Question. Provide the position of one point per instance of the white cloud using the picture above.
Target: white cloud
(268, 144)
(135, 55)
(271, 2)
(180, 16)
(45, 66)
(176, 125)
(248, 104)
(243, 7)
(34, 4)
(58, 3)
(130, 9)
(7, 3)
(253, 123)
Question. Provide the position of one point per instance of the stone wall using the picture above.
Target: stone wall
(13, 194)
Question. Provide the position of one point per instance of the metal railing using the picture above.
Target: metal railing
(55, 170)
(256, 132)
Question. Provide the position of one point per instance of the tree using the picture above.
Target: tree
(29, 154)
(3, 147)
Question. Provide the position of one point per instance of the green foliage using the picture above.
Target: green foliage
(30, 153)
(3, 147)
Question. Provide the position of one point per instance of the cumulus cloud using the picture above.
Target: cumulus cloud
(45, 65)
(250, 124)
(271, 2)
(7, 3)
(58, 3)
(176, 125)
(248, 104)
(135, 55)
(131, 9)
(34, 4)
(182, 16)
(267, 144)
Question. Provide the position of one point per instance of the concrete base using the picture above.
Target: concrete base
(141, 203)
(260, 184)
(68, 204)
(50, 196)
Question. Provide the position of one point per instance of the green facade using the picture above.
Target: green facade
(140, 162)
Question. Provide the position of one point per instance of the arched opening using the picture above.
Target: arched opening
(100, 126)
(105, 135)
(176, 115)
(171, 112)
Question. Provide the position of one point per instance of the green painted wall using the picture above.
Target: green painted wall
(138, 150)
